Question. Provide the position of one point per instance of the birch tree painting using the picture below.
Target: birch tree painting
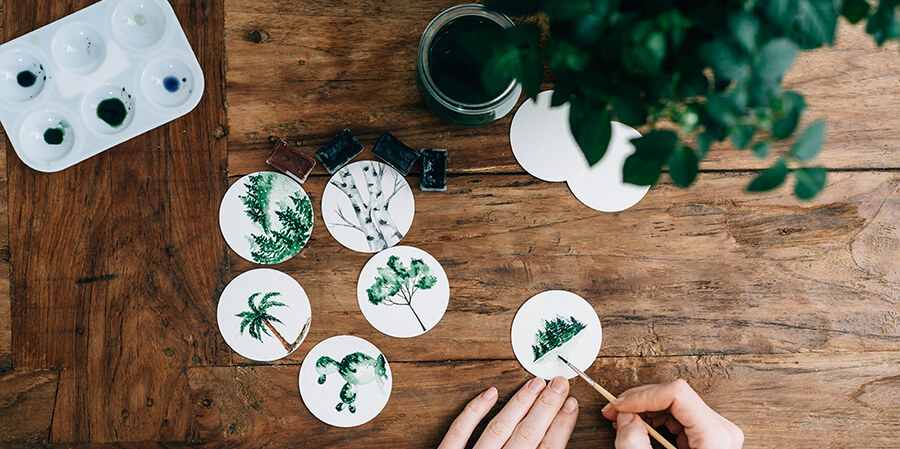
(370, 189)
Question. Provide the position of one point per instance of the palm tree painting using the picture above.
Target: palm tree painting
(258, 321)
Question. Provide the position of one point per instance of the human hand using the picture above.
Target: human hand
(676, 405)
(534, 416)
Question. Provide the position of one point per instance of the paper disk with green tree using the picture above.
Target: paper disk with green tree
(284, 234)
(397, 285)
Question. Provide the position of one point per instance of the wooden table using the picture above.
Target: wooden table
(784, 315)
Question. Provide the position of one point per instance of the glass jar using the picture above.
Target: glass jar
(449, 79)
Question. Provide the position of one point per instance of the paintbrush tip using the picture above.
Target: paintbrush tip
(563, 359)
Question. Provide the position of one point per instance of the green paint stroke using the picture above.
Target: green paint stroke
(258, 321)
(396, 285)
(555, 333)
(356, 369)
(293, 218)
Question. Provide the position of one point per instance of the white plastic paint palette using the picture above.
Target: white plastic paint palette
(94, 79)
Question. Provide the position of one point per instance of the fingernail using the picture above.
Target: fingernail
(559, 385)
(489, 394)
(536, 385)
(570, 405)
(607, 407)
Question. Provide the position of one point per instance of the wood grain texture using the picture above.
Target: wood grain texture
(701, 271)
(351, 64)
(115, 275)
(26, 408)
(258, 406)
(5, 313)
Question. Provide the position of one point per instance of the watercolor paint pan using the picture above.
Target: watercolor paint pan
(434, 170)
(293, 163)
(94, 79)
(395, 153)
(341, 150)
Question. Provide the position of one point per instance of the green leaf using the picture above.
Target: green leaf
(726, 61)
(791, 108)
(642, 170)
(741, 136)
(683, 166)
(704, 141)
(761, 149)
(562, 93)
(882, 24)
(770, 178)
(514, 7)
(816, 22)
(744, 28)
(855, 10)
(808, 144)
(781, 13)
(629, 111)
(809, 181)
(775, 58)
(657, 144)
(590, 124)
(567, 10)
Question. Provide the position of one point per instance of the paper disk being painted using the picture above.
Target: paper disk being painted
(555, 323)
(264, 314)
(368, 206)
(403, 291)
(345, 381)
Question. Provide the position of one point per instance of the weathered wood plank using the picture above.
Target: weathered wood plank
(260, 406)
(26, 408)
(116, 276)
(324, 67)
(683, 272)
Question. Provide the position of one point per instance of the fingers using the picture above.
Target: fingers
(562, 426)
(464, 424)
(677, 397)
(530, 431)
(631, 433)
(502, 426)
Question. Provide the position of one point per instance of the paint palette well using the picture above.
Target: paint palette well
(94, 79)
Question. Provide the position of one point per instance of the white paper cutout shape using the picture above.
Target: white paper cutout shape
(602, 188)
(403, 291)
(266, 217)
(368, 206)
(556, 322)
(264, 314)
(345, 381)
(542, 141)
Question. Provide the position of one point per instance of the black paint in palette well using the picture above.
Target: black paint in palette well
(112, 111)
(339, 151)
(395, 153)
(26, 78)
(54, 136)
(434, 170)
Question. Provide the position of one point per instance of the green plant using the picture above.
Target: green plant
(295, 219)
(396, 285)
(259, 320)
(555, 333)
(706, 71)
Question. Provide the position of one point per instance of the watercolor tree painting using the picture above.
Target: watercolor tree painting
(258, 321)
(283, 239)
(356, 369)
(554, 333)
(397, 285)
(370, 203)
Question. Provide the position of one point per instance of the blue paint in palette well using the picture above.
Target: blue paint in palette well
(172, 84)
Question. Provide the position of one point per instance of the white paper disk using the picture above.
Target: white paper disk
(264, 314)
(542, 141)
(403, 291)
(345, 381)
(266, 217)
(602, 188)
(556, 322)
(368, 206)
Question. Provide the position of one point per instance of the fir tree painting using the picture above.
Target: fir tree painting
(258, 321)
(554, 333)
(397, 285)
(284, 234)
(370, 203)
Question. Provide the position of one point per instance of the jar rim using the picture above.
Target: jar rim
(431, 30)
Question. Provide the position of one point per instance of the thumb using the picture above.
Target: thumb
(631, 433)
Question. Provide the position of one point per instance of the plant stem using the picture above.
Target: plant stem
(287, 346)
(417, 317)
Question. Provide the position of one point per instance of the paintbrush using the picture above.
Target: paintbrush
(609, 397)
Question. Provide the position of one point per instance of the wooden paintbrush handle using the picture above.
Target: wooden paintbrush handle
(609, 397)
